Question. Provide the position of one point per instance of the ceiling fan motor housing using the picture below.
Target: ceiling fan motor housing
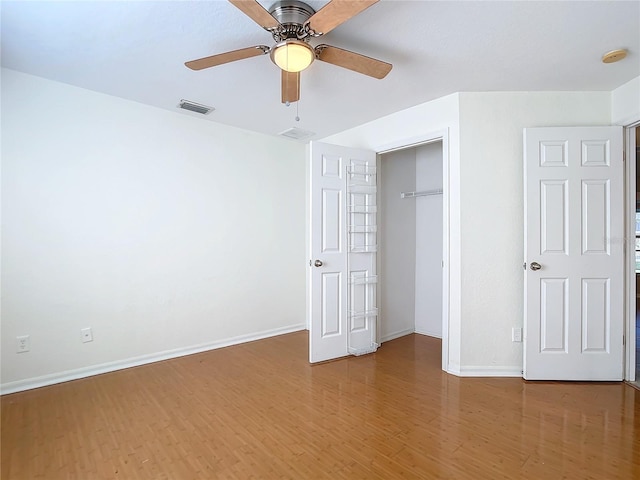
(292, 15)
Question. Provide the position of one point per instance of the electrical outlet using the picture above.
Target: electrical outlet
(516, 334)
(24, 344)
(87, 336)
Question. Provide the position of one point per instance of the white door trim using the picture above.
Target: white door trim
(410, 142)
(630, 224)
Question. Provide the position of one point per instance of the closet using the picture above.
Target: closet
(410, 242)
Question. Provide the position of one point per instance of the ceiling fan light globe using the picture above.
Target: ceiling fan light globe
(292, 55)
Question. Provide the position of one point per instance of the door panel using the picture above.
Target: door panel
(553, 322)
(574, 229)
(595, 314)
(595, 217)
(331, 304)
(554, 216)
(332, 235)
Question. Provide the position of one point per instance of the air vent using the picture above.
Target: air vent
(297, 133)
(195, 107)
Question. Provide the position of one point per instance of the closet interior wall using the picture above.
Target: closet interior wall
(410, 243)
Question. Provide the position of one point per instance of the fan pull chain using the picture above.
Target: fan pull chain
(297, 117)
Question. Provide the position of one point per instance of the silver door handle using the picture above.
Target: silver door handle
(535, 266)
(317, 263)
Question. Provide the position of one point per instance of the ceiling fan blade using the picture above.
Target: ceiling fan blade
(227, 57)
(290, 86)
(257, 13)
(335, 13)
(353, 61)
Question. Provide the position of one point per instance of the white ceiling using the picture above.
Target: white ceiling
(137, 49)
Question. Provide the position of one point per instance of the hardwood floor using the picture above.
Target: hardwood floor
(259, 410)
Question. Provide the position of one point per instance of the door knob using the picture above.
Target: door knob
(535, 266)
(317, 263)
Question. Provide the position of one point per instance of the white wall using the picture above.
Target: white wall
(492, 213)
(428, 283)
(486, 207)
(397, 244)
(625, 103)
(165, 233)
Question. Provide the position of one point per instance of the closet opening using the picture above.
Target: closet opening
(410, 242)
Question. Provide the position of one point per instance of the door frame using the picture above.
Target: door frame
(630, 237)
(412, 142)
(401, 144)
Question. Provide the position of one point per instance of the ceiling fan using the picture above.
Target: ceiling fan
(292, 24)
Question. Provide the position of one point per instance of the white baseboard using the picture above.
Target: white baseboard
(485, 371)
(75, 374)
(409, 331)
(394, 335)
(429, 334)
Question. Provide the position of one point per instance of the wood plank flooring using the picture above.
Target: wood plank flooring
(259, 410)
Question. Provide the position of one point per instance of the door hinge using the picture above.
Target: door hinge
(524, 265)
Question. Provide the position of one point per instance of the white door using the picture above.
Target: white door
(574, 253)
(342, 278)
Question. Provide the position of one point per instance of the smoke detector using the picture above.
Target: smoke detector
(614, 56)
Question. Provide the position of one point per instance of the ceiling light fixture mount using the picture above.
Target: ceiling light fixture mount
(614, 56)
(292, 16)
(291, 53)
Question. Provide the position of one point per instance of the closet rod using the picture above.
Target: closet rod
(420, 194)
